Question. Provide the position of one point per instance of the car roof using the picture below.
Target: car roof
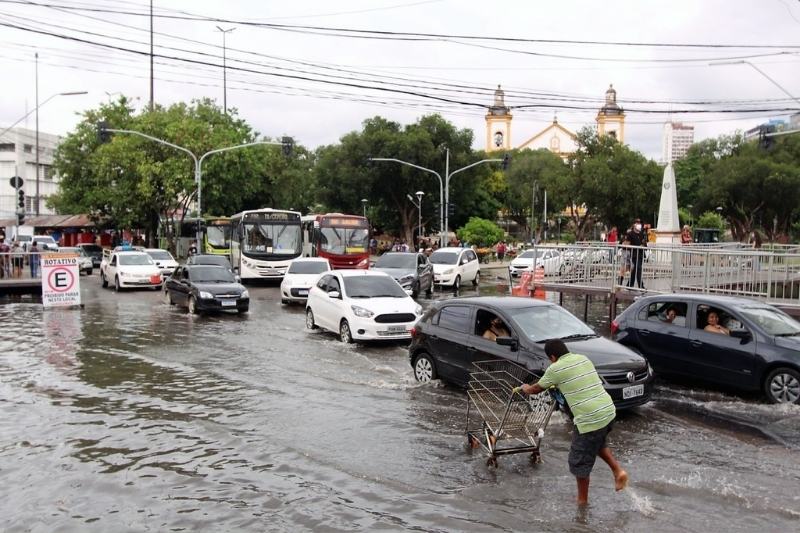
(400, 253)
(705, 298)
(451, 249)
(132, 252)
(206, 266)
(310, 260)
(156, 250)
(499, 302)
(358, 272)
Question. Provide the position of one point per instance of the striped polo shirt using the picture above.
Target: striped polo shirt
(575, 376)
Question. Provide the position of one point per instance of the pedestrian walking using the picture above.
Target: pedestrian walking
(17, 257)
(501, 250)
(592, 409)
(638, 241)
(33, 259)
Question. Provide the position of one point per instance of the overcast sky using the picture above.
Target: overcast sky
(460, 71)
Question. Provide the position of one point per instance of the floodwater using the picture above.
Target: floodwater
(131, 415)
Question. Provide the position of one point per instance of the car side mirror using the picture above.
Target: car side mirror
(334, 294)
(742, 334)
(511, 342)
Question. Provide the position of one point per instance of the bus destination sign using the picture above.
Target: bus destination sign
(273, 217)
(341, 222)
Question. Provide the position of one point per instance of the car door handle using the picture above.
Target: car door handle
(645, 332)
(696, 344)
(471, 349)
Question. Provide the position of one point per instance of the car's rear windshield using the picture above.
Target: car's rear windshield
(396, 261)
(210, 274)
(63, 250)
(444, 258)
(373, 287)
(773, 321)
(160, 255)
(308, 267)
(542, 322)
(44, 239)
(219, 260)
(135, 259)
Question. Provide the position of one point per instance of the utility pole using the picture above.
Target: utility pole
(151, 55)
(544, 215)
(36, 194)
(224, 69)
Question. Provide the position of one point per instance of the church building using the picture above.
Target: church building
(555, 137)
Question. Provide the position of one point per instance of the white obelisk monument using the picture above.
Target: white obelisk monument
(668, 229)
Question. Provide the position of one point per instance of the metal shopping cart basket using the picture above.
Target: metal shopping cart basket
(501, 421)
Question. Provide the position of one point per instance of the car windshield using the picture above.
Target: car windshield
(92, 248)
(444, 258)
(47, 240)
(773, 321)
(543, 322)
(344, 240)
(210, 274)
(63, 250)
(218, 260)
(135, 259)
(396, 261)
(219, 236)
(373, 287)
(308, 267)
(160, 255)
(526, 255)
(272, 238)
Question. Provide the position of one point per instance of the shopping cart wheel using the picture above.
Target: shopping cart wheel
(491, 461)
(536, 457)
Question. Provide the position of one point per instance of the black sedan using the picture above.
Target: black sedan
(733, 342)
(412, 271)
(206, 288)
(452, 335)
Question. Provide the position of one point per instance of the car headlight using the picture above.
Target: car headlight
(244, 294)
(448, 271)
(418, 310)
(206, 295)
(363, 263)
(361, 312)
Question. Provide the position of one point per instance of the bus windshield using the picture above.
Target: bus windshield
(218, 236)
(344, 240)
(270, 237)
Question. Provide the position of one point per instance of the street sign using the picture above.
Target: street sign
(60, 280)
(16, 182)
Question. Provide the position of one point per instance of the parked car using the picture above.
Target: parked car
(203, 288)
(549, 258)
(453, 266)
(43, 242)
(412, 270)
(755, 348)
(127, 267)
(449, 338)
(94, 251)
(361, 305)
(210, 259)
(301, 275)
(84, 261)
(164, 261)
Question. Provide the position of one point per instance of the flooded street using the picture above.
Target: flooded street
(132, 415)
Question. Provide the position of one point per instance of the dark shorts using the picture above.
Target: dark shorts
(584, 450)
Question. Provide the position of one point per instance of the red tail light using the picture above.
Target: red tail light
(413, 332)
(614, 327)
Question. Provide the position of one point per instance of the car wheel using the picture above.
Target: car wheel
(783, 386)
(344, 332)
(103, 280)
(117, 286)
(457, 283)
(192, 305)
(477, 278)
(310, 324)
(424, 368)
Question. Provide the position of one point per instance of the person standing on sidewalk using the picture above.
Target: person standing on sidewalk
(501, 250)
(5, 258)
(593, 413)
(33, 259)
(638, 240)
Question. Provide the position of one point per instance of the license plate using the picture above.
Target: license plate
(302, 292)
(228, 303)
(632, 392)
(396, 329)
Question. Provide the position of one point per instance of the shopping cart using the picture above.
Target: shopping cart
(501, 421)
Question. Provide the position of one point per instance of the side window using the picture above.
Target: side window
(323, 283)
(333, 284)
(421, 261)
(455, 317)
(178, 274)
(471, 255)
(673, 313)
(114, 261)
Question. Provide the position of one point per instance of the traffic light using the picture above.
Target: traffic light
(21, 200)
(506, 161)
(451, 209)
(20, 219)
(103, 135)
(287, 146)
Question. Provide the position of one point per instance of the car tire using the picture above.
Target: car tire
(477, 279)
(457, 283)
(192, 306)
(783, 385)
(310, 324)
(424, 368)
(117, 286)
(345, 335)
(103, 280)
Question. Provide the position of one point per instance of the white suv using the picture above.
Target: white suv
(453, 266)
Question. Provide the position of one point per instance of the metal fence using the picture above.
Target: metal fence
(20, 266)
(771, 275)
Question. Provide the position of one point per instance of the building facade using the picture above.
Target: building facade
(677, 139)
(18, 158)
(498, 124)
(611, 117)
(555, 138)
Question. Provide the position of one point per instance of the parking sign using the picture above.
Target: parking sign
(61, 285)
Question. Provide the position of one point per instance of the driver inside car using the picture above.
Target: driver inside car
(496, 329)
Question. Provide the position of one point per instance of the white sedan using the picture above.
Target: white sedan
(301, 275)
(548, 258)
(164, 261)
(361, 305)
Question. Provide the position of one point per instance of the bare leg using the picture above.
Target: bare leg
(583, 490)
(620, 475)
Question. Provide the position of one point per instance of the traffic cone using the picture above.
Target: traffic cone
(538, 282)
(523, 288)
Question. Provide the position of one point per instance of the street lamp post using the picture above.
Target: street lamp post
(198, 162)
(364, 202)
(224, 69)
(418, 205)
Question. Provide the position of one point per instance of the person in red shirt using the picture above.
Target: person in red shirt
(612, 235)
(501, 250)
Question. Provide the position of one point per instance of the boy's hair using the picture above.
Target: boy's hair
(555, 348)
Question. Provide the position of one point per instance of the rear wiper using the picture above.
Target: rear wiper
(787, 334)
(578, 336)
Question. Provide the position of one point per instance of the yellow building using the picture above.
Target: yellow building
(498, 124)
(555, 138)
(611, 117)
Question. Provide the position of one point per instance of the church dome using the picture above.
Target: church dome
(611, 107)
(499, 107)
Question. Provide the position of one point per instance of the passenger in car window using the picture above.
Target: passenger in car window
(496, 329)
(714, 326)
(671, 315)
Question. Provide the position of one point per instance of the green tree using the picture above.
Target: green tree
(711, 220)
(480, 232)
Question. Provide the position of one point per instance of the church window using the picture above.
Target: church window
(555, 144)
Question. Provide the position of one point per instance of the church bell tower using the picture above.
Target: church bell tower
(498, 124)
(611, 117)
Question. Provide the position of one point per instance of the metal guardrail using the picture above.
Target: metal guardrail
(769, 275)
(17, 266)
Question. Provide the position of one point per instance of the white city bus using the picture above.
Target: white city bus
(264, 242)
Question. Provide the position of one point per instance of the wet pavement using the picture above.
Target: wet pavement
(131, 415)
